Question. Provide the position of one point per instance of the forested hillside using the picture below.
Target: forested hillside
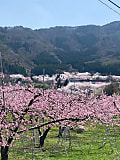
(84, 48)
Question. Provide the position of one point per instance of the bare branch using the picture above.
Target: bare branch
(55, 121)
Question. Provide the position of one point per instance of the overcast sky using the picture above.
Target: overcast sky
(37, 14)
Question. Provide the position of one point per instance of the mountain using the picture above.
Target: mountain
(84, 48)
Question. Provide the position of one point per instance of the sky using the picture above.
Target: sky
(36, 14)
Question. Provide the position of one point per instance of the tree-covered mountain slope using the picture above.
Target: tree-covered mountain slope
(83, 48)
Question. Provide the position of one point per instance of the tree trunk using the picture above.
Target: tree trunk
(4, 152)
(42, 138)
(61, 129)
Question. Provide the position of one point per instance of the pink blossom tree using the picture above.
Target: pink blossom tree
(22, 109)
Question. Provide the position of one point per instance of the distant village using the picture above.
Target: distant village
(76, 81)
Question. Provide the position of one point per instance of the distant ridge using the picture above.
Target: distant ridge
(84, 48)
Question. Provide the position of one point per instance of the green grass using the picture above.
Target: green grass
(23, 151)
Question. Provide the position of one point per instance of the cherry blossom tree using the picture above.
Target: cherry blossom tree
(22, 108)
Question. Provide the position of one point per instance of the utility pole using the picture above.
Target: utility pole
(43, 80)
(2, 80)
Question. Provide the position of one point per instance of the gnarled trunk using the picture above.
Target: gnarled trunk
(4, 152)
(42, 138)
(61, 129)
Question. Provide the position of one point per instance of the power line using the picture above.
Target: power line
(114, 3)
(109, 7)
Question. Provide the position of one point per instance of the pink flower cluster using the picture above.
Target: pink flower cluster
(26, 107)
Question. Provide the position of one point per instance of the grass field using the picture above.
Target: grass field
(74, 146)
